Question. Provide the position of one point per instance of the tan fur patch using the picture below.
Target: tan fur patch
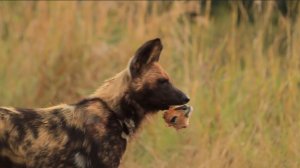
(114, 89)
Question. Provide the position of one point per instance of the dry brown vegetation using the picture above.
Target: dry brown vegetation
(243, 80)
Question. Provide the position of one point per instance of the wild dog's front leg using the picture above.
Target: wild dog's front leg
(110, 149)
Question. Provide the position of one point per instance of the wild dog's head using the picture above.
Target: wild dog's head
(151, 86)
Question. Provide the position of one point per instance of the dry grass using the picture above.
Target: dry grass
(243, 80)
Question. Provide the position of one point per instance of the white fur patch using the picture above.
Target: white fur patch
(125, 136)
(80, 160)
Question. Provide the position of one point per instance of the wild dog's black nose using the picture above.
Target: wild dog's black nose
(185, 99)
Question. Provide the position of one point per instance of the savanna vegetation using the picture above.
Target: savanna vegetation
(243, 77)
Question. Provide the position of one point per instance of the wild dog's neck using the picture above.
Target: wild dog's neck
(113, 89)
(115, 92)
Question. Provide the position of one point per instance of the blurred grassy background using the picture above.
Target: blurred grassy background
(243, 79)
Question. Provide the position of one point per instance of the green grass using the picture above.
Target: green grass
(243, 80)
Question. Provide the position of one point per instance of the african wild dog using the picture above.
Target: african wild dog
(93, 132)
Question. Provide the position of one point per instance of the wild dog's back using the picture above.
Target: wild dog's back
(66, 136)
(26, 133)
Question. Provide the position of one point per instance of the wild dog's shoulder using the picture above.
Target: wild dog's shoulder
(93, 107)
(93, 101)
(94, 113)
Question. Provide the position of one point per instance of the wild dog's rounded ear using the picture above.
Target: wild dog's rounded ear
(146, 54)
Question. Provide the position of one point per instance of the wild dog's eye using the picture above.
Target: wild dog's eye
(173, 120)
(162, 81)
